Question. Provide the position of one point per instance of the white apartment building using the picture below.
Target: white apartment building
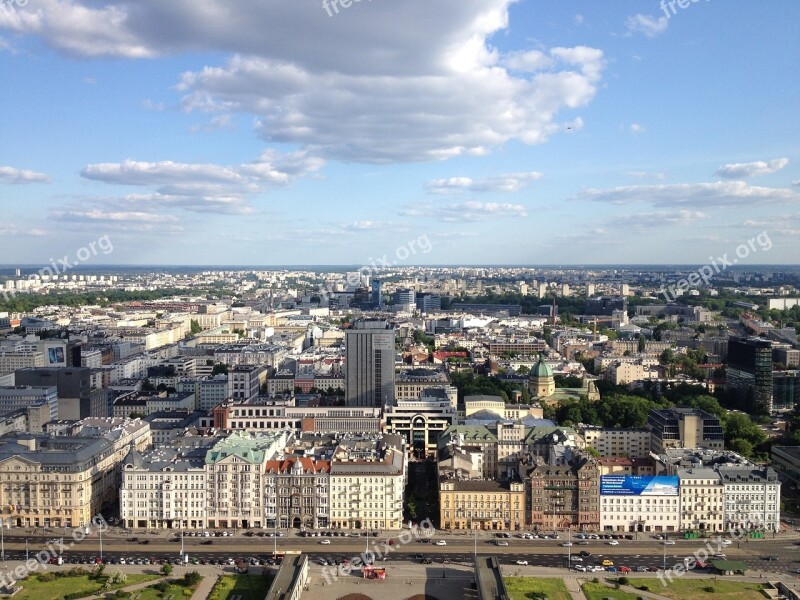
(752, 498)
(166, 488)
(367, 481)
(702, 499)
(244, 382)
(632, 503)
(617, 443)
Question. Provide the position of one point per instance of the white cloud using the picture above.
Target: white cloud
(796, 182)
(657, 219)
(656, 175)
(12, 230)
(388, 82)
(647, 25)
(13, 175)
(200, 187)
(466, 212)
(636, 129)
(509, 182)
(752, 169)
(722, 193)
(216, 123)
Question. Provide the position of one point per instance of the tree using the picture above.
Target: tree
(642, 344)
(166, 569)
(220, 369)
(195, 327)
(742, 447)
(192, 578)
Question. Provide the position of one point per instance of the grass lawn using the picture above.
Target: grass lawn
(598, 591)
(33, 589)
(249, 587)
(523, 588)
(686, 589)
(178, 591)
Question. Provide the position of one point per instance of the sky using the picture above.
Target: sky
(266, 132)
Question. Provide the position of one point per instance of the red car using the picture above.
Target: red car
(624, 569)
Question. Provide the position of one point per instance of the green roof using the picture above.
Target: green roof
(248, 447)
(541, 369)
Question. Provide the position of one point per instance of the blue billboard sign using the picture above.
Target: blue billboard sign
(639, 485)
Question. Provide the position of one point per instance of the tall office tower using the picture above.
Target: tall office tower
(624, 289)
(405, 298)
(590, 289)
(377, 294)
(565, 290)
(750, 372)
(369, 364)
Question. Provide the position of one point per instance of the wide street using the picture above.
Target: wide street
(645, 553)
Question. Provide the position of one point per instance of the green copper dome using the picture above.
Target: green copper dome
(541, 369)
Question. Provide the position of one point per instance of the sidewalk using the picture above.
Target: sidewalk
(574, 588)
(204, 588)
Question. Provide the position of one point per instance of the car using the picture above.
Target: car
(772, 557)
(669, 542)
(583, 543)
(566, 544)
(324, 541)
(122, 561)
(576, 558)
(624, 569)
(608, 563)
(613, 543)
(501, 543)
(584, 553)
(641, 569)
(611, 569)
(133, 539)
(206, 542)
(427, 561)
(441, 543)
(144, 542)
(231, 561)
(323, 562)
(522, 563)
(725, 542)
(581, 568)
(581, 536)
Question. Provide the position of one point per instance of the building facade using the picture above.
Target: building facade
(481, 504)
(296, 493)
(369, 364)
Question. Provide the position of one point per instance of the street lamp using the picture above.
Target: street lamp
(2, 539)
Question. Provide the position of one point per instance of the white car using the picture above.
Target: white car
(325, 542)
(501, 543)
(581, 568)
(576, 558)
(613, 543)
(718, 555)
(122, 561)
(522, 562)
(669, 542)
(567, 544)
(441, 543)
(725, 542)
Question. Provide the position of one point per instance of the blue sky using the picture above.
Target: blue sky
(268, 132)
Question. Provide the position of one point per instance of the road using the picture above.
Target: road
(459, 550)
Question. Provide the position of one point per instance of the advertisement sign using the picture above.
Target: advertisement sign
(639, 485)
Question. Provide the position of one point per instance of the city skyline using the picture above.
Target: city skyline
(504, 133)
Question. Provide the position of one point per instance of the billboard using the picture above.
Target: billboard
(639, 485)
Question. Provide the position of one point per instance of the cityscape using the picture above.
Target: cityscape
(488, 300)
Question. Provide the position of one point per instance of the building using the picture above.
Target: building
(65, 480)
(76, 397)
(260, 415)
(785, 390)
(481, 504)
(564, 496)
(786, 459)
(405, 299)
(702, 500)
(684, 428)
(369, 366)
(752, 498)
(641, 504)
(617, 443)
(421, 422)
(296, 493)
(541, 382)
(367, 483)
(166, 426)
(244, 382)
(429, 302)
(480, 406)
(605, 305)
(749, 377)
(167, 487)
(11, 361)
(476, 441)
(235, 467)
(412, 383)
(524, 347)
(14, 398)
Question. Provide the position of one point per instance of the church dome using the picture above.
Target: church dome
(541, 369)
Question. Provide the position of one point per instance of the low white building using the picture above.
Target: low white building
(639, 503)
(752, 497)
(702, 499)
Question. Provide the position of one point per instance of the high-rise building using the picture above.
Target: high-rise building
(405, 298)
(750, 373)
(377, 293)
(785, 389)
(590, 290)
(369, 368)
(427, 301)
(681, 427)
